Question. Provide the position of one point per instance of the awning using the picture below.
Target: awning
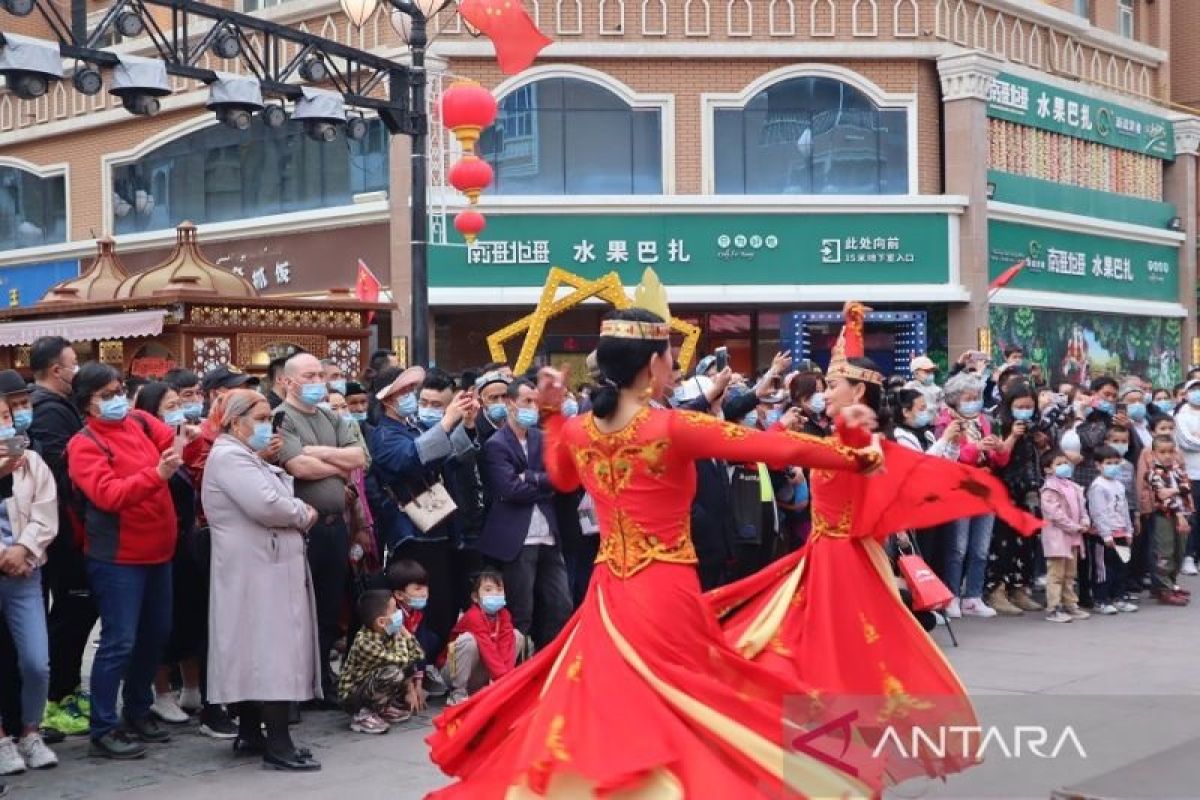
(126, 325)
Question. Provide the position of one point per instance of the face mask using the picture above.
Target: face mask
(417, 603)
(1022, 414)
(313, 393)
(407, 406)
(1193, 397)
(527, 417)
(491, 603)
(750, 420)
(23, 419)
(7, 433)
(1136, 411)
(338, 386)
(193, 410)
(261, 437)
(428, 417)
(1121, 449)
(927, 378)
(817, 403)
(395, 623)
(570, 408)
(970, 408)
(115, 408)
(1064, 470)
(325, 405)
(1106, 407)
(773, 417)
(497, 412)
(175, 417)
(1165, 406)
(923, 419)
(358, 416)
(1111, 471)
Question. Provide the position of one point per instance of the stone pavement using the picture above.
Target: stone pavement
(1130, 685)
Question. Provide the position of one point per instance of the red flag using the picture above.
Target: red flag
(366, 287)
(513, 33)
(1006, 277)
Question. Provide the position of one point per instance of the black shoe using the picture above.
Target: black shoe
(116, 745)
(148, 730)
(250, 747)
(52, 736)
(215, 722)
(290, 762)
(324, 704)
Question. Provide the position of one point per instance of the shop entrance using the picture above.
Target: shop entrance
(892, 338)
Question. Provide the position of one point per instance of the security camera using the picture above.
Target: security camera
(139, 82)
(235, 98)
(321, 112)
(29, 65)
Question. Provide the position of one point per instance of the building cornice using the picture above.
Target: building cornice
(967, 75)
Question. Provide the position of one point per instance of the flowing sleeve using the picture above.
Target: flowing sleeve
(699, 436)
(557, 455)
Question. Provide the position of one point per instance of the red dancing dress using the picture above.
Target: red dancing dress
(640, 696)
(831, 615)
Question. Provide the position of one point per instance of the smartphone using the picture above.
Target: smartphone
(722, 356)
(276, 423)
(13, 448)
(180, 439)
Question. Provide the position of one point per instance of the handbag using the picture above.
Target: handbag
(928, 591)
(430, 507)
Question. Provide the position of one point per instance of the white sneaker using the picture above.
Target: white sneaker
(1108, 609)
(939, 618)
(975, 607)
(1127, 607)
(954, 610)
(189, 700)
(1189, 567)
(1040, 581)
(166, 708)
(11, 762)
(35, 752)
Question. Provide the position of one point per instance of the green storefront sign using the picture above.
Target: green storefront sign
(1041, 105)
(1080, 263)
(699, 249)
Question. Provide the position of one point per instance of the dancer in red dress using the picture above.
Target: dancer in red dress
(830, 614)
(640, 696)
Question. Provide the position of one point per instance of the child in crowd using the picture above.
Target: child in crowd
(409, 584)
(1169, 524)
(1142, 566)
(377, 685)
(1109, 509)
(484, 645)
(1065, 511)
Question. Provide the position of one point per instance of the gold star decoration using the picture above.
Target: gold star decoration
(607, 287)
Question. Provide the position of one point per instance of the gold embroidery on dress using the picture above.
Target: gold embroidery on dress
(628, 549)
(701, 420)
(779, 648)
(899, 702)
(554, 740)
(613, 472)
(575, 668)
(870, 633)
(453, 727)
(839, 530)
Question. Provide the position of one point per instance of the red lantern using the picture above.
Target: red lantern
(471, 175)
(467, 108)
(470, 224)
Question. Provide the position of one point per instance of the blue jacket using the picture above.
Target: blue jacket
(514, 497)
(405, 461)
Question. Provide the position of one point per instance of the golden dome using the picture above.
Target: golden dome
(186, 271)
(99, 282)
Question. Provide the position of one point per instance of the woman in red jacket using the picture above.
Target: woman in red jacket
(120, 464)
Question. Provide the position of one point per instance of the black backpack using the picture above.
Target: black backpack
(77, 501)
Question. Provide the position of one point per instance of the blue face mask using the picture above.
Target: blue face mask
(1106, 406)
(923, 419)
(1165, 406)
(1022, 414)
(1136, 411)
(491, 603)
(750, 420)
(313, 393)
(358, 416)
(22, 419)
(417, 603)
(817, 403)
(175, 417)
(773, 417)
(395, 623)
(1064, 470)
(927, 378)
(970, 408)
(261, 438)
(1111, 471)
(428, 417)
(115, 408)
(338, 386)
(407, 406)
(570, 408)
(193, 410)
(7, 433)
(1121, 449)
(527, 417)
(1193, 397)
(497, 412)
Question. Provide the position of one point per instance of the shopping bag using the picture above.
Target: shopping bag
(928, 591)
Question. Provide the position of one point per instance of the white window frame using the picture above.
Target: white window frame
(710, 103)
(1125, 26)
(61, 169)
(664, 103)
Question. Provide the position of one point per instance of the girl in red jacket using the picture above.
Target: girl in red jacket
(484, 645)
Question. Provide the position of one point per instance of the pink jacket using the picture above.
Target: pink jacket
(968, 451)
(1064, 509)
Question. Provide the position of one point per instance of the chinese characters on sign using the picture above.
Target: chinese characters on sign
(1106, 267)
(865, 250)
(257, 274)
(584, 251)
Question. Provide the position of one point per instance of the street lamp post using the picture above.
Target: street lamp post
(418, 40)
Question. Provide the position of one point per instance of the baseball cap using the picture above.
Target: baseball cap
(692, 388)
(922, 362)
(223, 377)
(354, 387)
(11, 382)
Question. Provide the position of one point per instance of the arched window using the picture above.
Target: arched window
(571, 136)
(811, 135)
(219, 174)
(33, 209)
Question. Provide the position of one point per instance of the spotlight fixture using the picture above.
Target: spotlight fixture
(227, 44)
(139, 82)
(314, 70)
(321, 112)
(273, 116)
(29, 65)
(356, 129)
(129, 24)
(18, 8)
(87, 80)
(235, 98)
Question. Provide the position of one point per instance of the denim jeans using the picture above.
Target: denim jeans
(25, 613)
(967, 547)
(135, 622)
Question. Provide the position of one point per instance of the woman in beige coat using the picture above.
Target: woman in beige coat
(263, 650)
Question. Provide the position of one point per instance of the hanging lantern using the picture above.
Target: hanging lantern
(470, 224)
(359, 12)
(467, 108)
(471, 175)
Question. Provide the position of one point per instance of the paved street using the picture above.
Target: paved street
(1128, 684)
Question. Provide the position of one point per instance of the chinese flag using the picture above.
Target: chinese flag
(1004, 278)
(513, 33)
(367, 286)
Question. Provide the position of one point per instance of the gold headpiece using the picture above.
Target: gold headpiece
(850, 345)
(650, 296)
